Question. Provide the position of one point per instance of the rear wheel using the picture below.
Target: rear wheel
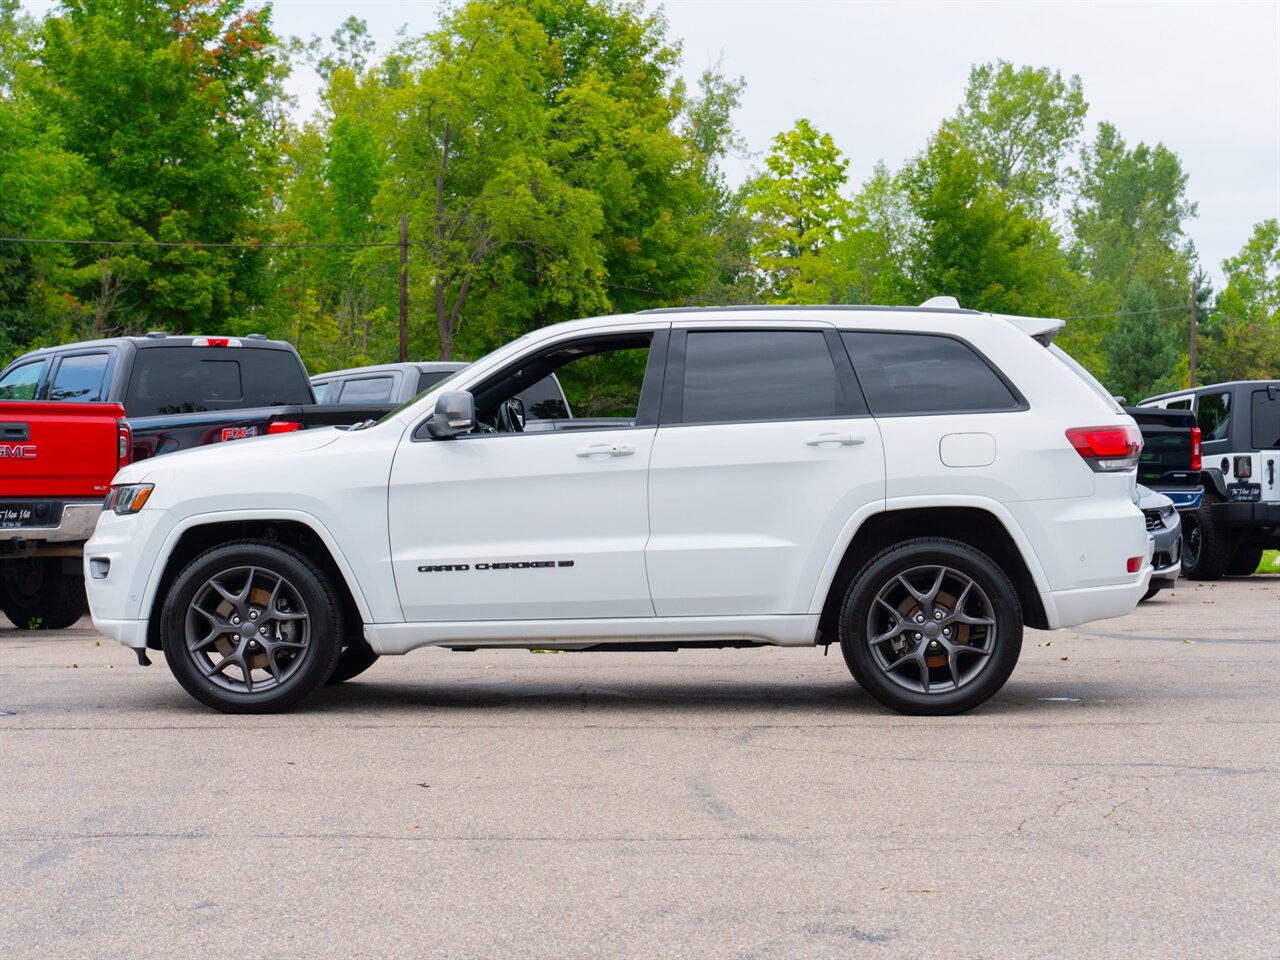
(931, 626)
(251, 627)
(38, 595)
(1244, 562)
(1206, 546)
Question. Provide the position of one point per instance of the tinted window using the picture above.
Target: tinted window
(907, 373)
(544, 401)
(320, 389)
(367, 390)
(734, 376)
(1213, 416)
(429, 379)
(79, 378)
(20, 383)
(191, 379)
(1183, 404)
(1266, 420)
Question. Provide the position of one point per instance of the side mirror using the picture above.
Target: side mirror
(455, 413)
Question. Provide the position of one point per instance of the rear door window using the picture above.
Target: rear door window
(905, 374)
(80, 378)
(21, 382)
(1266, 419)
(735, 376)
(168, 380)
(367, 390)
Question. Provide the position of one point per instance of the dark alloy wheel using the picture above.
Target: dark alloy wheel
(251, 627)
(931, 626)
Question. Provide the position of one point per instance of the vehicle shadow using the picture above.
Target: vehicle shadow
(835, 700)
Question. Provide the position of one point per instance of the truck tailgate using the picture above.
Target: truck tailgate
(60, 450)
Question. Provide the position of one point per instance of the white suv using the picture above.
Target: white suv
(915, 484)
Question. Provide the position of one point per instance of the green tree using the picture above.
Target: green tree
(797, 208)
(1022, 122)
(1245, 343)
(875, 241)
(973, 241)
(170, 106)
(1141, 350)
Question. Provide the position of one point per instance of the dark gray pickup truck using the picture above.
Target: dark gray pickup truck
(183, 391)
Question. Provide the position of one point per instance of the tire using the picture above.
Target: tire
(1245, 562)
(292, 603)
(354, 660)
(1206, 546)
(977, 635)
(38, 595)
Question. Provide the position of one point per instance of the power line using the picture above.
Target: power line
(1128, 313)
(196, 244)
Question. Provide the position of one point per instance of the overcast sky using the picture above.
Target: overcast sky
(1204, 78)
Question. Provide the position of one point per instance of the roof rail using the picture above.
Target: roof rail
(806, 308)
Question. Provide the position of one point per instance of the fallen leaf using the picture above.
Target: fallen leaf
(1062, 658)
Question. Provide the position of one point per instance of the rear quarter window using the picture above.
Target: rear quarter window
(905, 374)
(1266, 419)
(367, 390)
(169, 380)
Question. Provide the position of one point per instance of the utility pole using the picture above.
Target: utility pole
(405, 296)
(1194, 308)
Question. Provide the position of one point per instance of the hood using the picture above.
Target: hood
(1149, 499)
(253, 450)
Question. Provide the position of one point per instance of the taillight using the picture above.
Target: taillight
(124, 440)
(283, 426)
(1196, 458)
(1107, 449)
(215, 342)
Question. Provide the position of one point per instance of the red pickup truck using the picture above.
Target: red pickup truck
(56, 465)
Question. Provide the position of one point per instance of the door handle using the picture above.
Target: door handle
(607, 450)
(844, 439)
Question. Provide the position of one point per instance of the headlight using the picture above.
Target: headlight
(1167, 512)
(128, 498)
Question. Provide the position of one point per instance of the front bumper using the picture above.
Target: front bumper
(1166, 545)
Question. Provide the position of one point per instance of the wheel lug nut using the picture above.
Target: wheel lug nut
(253, 614)
(235, 620)
(937, 614)
(919, 618)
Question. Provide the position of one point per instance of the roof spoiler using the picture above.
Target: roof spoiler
(1040, 329)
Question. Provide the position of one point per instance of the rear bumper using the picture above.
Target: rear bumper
(1247, 514)
(1068, 608)
(75, 525)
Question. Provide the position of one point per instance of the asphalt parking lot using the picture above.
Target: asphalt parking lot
(1118, 799)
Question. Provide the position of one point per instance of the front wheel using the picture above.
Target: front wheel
(931, 627)
(251, 627)
(1206, 546)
